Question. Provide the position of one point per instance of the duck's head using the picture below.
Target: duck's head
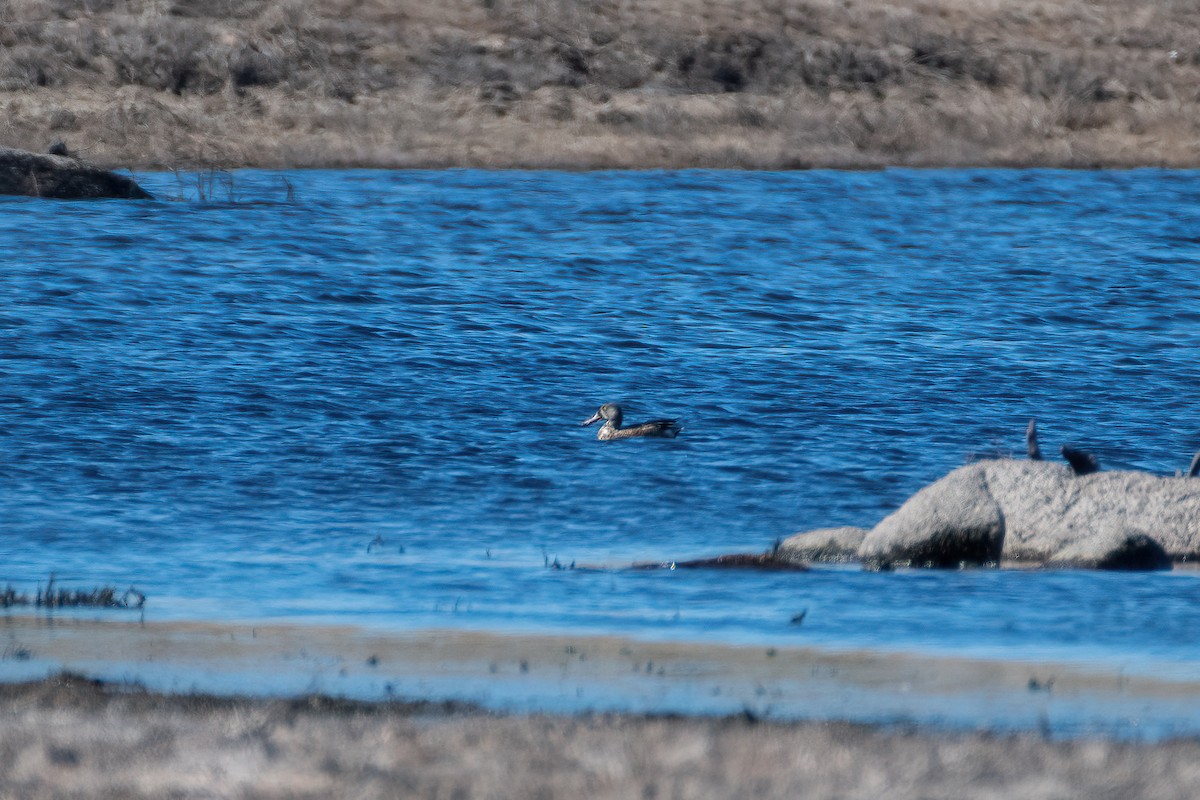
(608, 411)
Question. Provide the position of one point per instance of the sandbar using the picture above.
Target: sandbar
(105, 708)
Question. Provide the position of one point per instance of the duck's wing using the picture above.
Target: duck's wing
(669, 428)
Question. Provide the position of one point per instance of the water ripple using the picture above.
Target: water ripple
(230, 401)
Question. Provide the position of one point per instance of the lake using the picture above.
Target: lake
(354, 397)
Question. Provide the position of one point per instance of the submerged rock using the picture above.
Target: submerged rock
(1038, 513)
(764, 561)
(828, 545)
(61, 177)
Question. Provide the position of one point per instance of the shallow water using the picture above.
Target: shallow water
(359, 403)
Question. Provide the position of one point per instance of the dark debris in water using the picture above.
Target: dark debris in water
(555, 564)
(1041, 686)
(53, 596)
(769, 561)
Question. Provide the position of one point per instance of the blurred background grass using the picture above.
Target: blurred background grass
(610, 83)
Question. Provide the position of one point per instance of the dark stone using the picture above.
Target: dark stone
(1138, 552)
(1081, 461)
(59, 177)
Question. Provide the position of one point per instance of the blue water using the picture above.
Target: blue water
(359, 402)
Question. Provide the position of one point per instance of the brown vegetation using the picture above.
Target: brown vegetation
(612, 83)
(57, 597)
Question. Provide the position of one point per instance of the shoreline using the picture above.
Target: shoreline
(571, 675)
(620, 85)
(586, 170)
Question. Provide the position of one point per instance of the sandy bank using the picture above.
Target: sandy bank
(71, 738)
(247, 712)
(573, 674)
(620, 83)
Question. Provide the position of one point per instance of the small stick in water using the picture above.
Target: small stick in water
(1031, 442)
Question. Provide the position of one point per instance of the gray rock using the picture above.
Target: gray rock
(948, 523)
(1113, 549)
(1046, 510)
(1040, 513)
(829, 545)
(61, 177)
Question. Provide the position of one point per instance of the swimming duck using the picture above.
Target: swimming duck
(611, 429)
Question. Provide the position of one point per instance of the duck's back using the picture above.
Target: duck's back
(665, 428)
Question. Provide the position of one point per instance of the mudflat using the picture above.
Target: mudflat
(759, 84)
(125, 708)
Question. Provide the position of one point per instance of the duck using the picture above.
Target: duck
(611, 429)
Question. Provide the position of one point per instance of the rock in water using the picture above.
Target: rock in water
(60, 177)
(1040, 513)
(948, 523)
(827, 545)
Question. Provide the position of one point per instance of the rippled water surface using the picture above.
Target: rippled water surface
(360, 402)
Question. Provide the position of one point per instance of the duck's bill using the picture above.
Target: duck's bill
(594, 418)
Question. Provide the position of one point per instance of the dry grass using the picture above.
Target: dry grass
(612, 83)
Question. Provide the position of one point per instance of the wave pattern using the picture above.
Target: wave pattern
(228, 403)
